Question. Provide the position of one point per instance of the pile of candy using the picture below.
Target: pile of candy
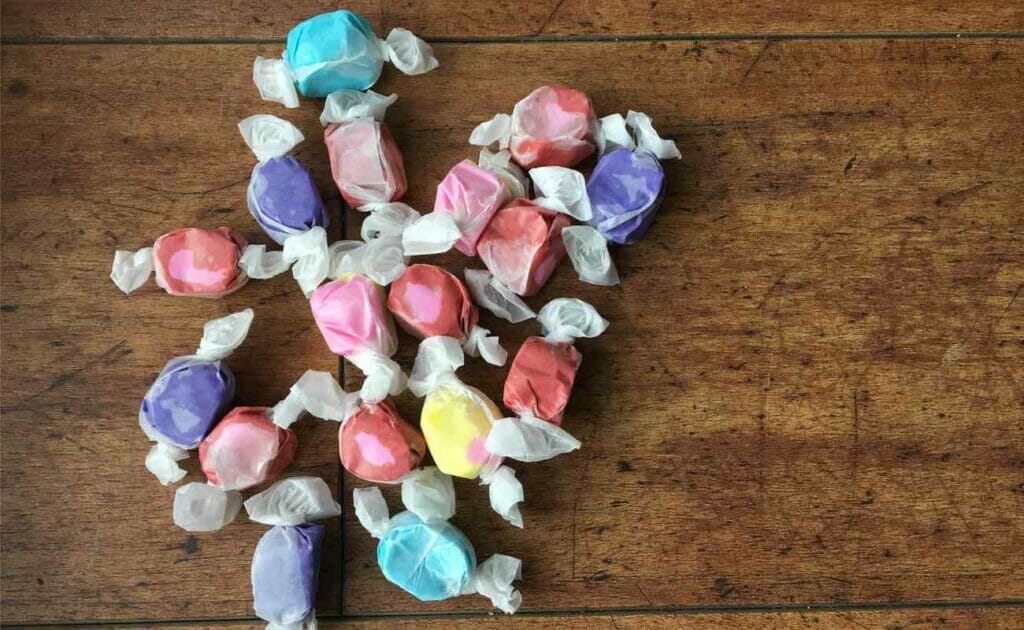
(483, 209)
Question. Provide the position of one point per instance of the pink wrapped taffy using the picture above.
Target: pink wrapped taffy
(522, 245)
(472, 193)
(356, 324)
(191, 261)
(245, 449)
(552, 126)
(428, 301)
(365, 161)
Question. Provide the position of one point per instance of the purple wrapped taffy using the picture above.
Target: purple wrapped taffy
(285, 569)
(625, 190)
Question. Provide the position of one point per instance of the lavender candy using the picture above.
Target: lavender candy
(190, 395)
(625, 190)
(285, 568)
(283, 198)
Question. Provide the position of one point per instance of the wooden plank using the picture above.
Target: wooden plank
(452, 19)
(952, 619)
(827, 409)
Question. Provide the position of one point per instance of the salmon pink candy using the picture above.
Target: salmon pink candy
(246, 449)
(377, 445)
(541, 378)
(522, 245)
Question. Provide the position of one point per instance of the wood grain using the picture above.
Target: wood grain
(454, 19)
(955, 619)
(811, 390)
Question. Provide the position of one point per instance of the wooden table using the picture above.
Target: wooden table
(808, 410)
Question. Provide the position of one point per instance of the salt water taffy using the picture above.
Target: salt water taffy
(285, 202)
(285, 571)
(337, 51)
(193, 262)
(429, 301)
(366, 163)
(190, 395)
(354, 321)
(522, 245)
(552, 126)
(246, 449)
(472, 193)
(434, 561)
(540, 380)
(293, 501)
(456, 420)
(490, 293)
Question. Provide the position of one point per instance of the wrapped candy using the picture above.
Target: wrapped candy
(522, 245)
(365, 161)
(285, 571)
(456, 420)
(434, 561)
(355, 323)
(377, 445)
(337, 51)
(190, 395)
(429, 301)
(245, 449)
(192, 261)
(552, 126)
(285, 202)
(540, 381)
(472, 193)
(625, 192)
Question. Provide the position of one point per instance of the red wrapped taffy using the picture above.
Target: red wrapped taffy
(428, 301)
(540, 381)
(552, 126)
(522, 245)
(245, 449)
(377, 445)
(194, 261)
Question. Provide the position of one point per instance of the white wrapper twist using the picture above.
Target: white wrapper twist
(410, 54)
(274, 81)
(529, 439)
(200, 507)
(481, 343)
(569, 319)
(345, 105)
(635, 131)
(320, 395)
(269, 136)
(293, 501)
(429, 494)
(496, 130)
(490, 293)
(383, 376)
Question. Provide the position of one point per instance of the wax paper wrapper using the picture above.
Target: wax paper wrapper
(192, 262)
(285, 570)
(293, 501)
(540, 381)
(434, 561)
(365, 161)
(456, 420)
(337, 51)
(428, 301)
(522, 245)
(190, 395)
(492, 294)
(472, 193)
(355, 323)
(552, 126)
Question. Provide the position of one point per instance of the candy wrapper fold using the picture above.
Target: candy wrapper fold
(428, 301)
(188, 262)
(293, 501)
(492, 294)
(419, 235)
(456, 420)
(552, 126)
(354, 321)
(434, 561)
(335, 51)
(199, 507)
(190, 395)
(285, 572)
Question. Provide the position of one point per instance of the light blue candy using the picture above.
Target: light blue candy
(342, 39)
(429, 561)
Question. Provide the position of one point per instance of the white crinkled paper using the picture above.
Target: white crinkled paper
(568, 319)
(410, 54)
(436, 362)
(162, 460)
(344, 105)
(381, 260)
(269, 136)
(429, 494)
(131, 269)
(260, 264)
(505, 493)
(371, 510)
(481, 343)
(223, 335)
(588, 251)
(293, 501)
(309, 257)
(564, 190)
(384, 377)
(200, 507)
(501, 164)
(490, 293)
(274, 81)
(496, 130)
(529, 439)
(493, 579)
(634, 131)
(316, 393)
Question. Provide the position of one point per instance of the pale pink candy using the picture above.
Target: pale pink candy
(365, 161)
(472, 195)
(352, 317)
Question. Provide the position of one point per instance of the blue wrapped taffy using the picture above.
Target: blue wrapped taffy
(337, 51)
(433, 560)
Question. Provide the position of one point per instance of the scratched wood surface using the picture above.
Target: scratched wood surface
(455, 19)
(810, 393)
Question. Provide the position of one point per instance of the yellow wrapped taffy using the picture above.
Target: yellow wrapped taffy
(456, 420)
